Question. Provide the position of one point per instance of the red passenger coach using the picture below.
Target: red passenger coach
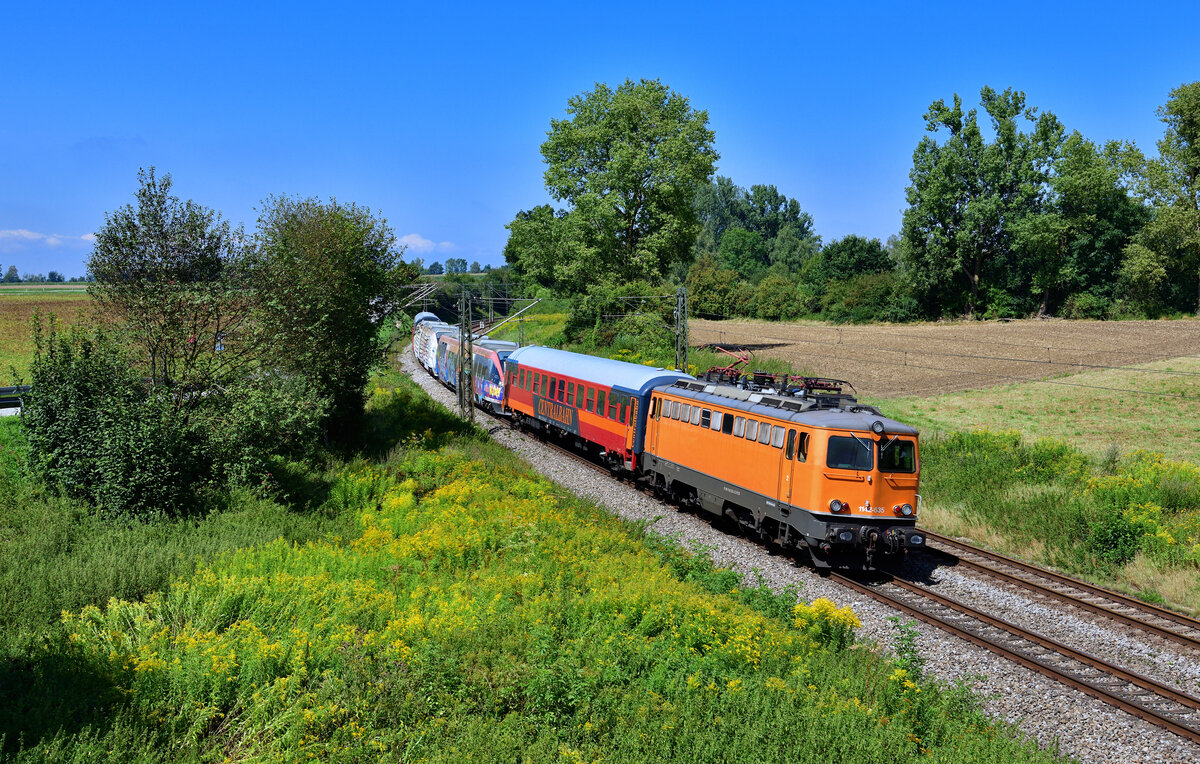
(599, 400)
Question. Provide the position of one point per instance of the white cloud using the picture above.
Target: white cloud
(16, 239)
(418, 243)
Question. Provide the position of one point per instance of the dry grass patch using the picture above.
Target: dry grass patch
(952, 520)
(1179, 587)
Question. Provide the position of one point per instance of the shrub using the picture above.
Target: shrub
(869, 297)
(777, 298)
(1086, 305)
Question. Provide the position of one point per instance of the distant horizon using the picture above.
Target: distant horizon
(433, 116)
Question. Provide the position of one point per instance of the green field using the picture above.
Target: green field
(1094, 410)
(18, 303)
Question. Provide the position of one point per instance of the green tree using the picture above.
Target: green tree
(456, 265)
(475, 267)
(627, 162)
(171, 274)
(786, 230)
(965, 195)
(326, 275)
(11, 276)
(710, 289)
(744, 252)
(55, 277)
(846, 258)
(1172, 184)
(436, 269)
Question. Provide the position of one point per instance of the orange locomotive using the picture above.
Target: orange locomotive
(808, 468)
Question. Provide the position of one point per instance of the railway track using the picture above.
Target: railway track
(1136, 694)
(1046, 584)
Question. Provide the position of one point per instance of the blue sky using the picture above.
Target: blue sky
(432, 113)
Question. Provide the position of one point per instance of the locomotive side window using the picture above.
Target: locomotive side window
(764, 433)
(849, 453)
(777, 436)
(751, 429)
(686, 413)
(695, 415)
(675, 410)
(739, 426)
(591, 399)
(716, 421)
(897, 456)
(802, 448)
(727, 423)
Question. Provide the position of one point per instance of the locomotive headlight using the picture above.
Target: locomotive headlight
(905, 510)
(877, 427)
(836, 506)
(846, 536)
(916, 539)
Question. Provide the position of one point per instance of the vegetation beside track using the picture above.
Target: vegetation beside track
(16, 309)
(455, 604)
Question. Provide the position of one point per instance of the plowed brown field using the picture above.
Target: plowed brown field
(884, 361)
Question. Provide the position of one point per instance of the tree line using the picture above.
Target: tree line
(218, 356)
(1008, 215)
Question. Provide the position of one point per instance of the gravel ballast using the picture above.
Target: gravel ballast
(1049, 712)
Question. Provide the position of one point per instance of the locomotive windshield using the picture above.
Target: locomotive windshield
(849, 453)
(897, 455)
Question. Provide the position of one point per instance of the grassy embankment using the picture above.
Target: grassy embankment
(1101, 483)
(1058, 474)
(444, 603)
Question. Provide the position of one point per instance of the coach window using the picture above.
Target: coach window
(570, 393)
(751, 429)
(600, 402)
(777, 436)
(695, 415)
(739, 426)
(727, 423)
(716, 421)
(591, 399)
(612, 405)
(562, 389)
(536, 387)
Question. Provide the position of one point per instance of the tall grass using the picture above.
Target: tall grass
(475, 611)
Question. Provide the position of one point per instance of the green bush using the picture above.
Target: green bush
(866, 298)
(777, 298)
(1086, 305)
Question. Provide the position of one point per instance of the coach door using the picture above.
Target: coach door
(631, 426)
(785, 466)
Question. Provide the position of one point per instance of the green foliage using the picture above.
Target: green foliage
(326, 275)
(866, 298)
(744, 252)
(171, 273)
(712, 290)
(844, 259)
(781, 228)
(966, 194)
(777, 298)
(627, 163)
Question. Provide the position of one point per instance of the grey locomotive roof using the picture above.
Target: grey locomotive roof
(603, 371)
(853, 416)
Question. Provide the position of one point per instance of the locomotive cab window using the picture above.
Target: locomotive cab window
(849, 453)
(897, 455)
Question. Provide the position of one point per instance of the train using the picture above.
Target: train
(796, 462)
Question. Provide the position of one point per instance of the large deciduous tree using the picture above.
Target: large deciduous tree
(325, 275)
(967, 192)
(1172, 185)
(627, 163)
(170, 272)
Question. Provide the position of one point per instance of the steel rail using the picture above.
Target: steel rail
(1140, 703)
(1180, 629)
